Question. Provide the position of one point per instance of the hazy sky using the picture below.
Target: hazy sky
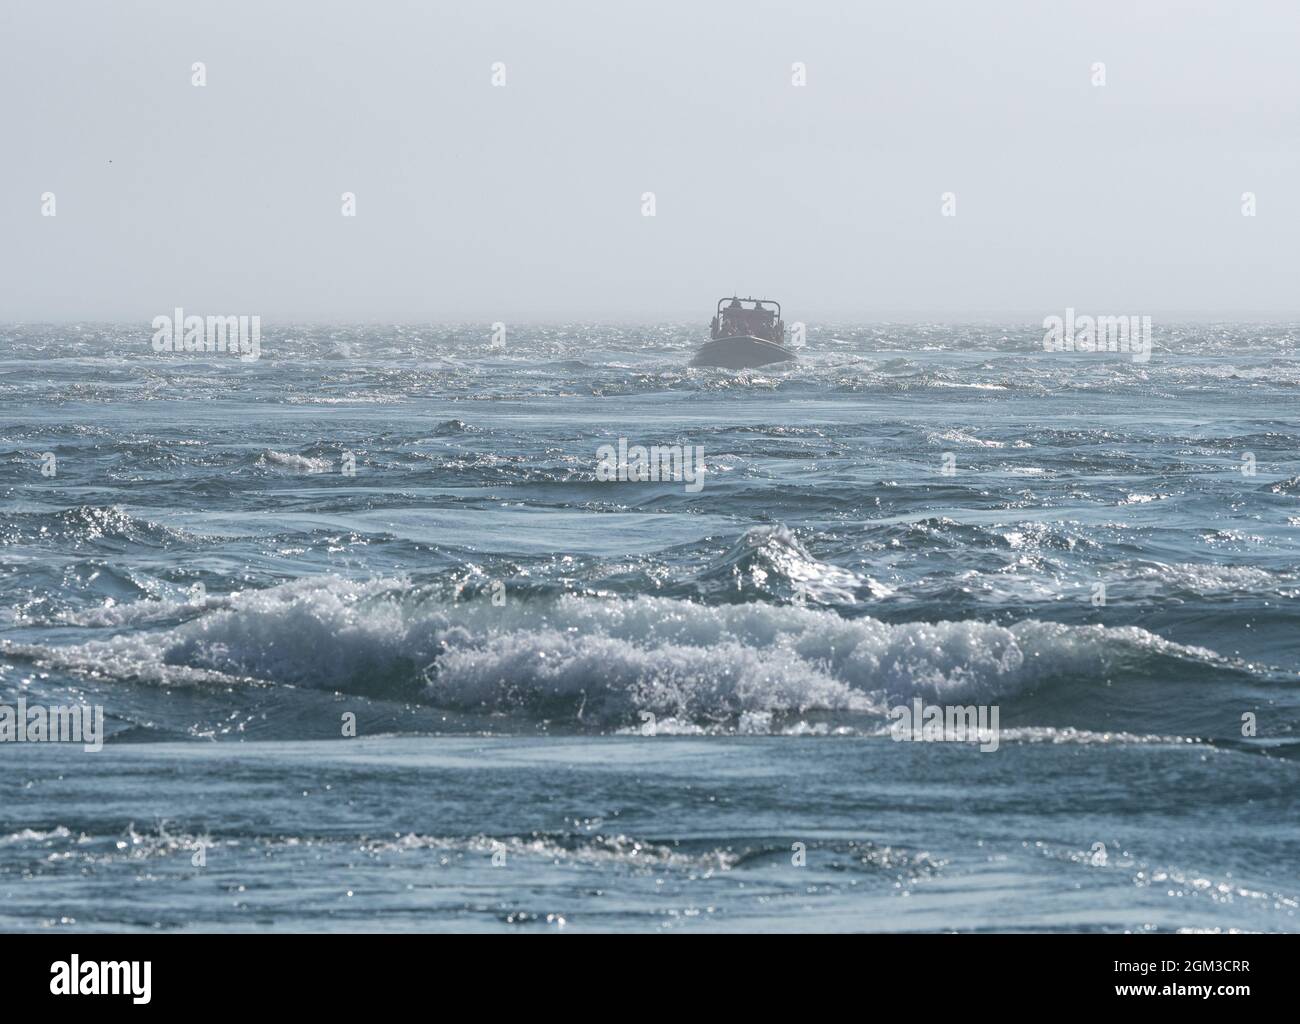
(524, 202)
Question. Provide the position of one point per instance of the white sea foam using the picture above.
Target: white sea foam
(294, 463)
(603, 661)
(961, 437)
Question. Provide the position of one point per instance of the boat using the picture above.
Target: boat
(745, 333)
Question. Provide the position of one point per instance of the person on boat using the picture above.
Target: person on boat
(734, 317)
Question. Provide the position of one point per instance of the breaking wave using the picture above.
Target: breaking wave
(769, 561)
(595, 663)
(292, 462)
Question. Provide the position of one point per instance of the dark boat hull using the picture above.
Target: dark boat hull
(742, 353)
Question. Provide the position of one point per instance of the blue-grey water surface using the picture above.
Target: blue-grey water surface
(620, 705)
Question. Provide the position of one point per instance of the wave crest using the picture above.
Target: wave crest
(769, 562)
(602, 663)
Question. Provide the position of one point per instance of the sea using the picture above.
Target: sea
(379, 647)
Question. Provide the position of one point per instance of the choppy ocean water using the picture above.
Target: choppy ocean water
(505, 628)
